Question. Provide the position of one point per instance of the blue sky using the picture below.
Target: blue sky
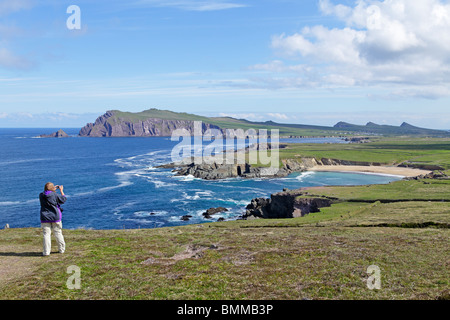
(309, 61)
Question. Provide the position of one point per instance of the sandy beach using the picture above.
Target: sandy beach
(398, 171)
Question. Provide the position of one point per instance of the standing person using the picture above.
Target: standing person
(51, 216)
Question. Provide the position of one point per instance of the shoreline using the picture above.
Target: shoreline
(394, 171)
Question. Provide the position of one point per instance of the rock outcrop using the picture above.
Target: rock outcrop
(215, 171)
(358, 139)
(58, 134)
(284, 205)
(211, 211)
(422, 166)
(439, 175)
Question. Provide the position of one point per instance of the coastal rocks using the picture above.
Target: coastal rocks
(310, 205)
(212, 171)
(211, 211)
(284, 205)
(422, 166)
(337, 162)
(303, 164)
(58, 134)
(86, 130)
(299, 165)
(358, 139)
(258, 208)
(207, 214)
(215, 171)
(432, 175)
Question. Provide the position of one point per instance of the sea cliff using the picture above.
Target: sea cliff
(111, 124)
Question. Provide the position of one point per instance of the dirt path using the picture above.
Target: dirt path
(20, 254)
(18, 261)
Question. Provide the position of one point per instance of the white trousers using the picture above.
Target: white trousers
(47, 231)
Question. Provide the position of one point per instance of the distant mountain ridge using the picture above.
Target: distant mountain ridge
(155, 122)
(403, 129)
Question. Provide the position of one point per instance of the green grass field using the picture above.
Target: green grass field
(317, 260)
(422, 190)
(385, 151)
(323, 255)
(416, 152)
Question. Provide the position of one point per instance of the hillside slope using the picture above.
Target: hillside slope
(155, 122)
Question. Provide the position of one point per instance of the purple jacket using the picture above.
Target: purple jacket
(50, 206)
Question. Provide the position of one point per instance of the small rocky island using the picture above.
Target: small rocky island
(58, 134)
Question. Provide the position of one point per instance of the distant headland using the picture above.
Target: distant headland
(158, 123)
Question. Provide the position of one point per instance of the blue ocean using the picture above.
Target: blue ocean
(113, 183)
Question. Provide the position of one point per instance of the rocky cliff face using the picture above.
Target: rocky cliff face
(111, 125)
(284, 205)
(216, 171)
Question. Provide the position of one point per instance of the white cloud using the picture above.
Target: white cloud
(24, 115)
(280, 116)
(261, 116)
(193, 5)
(11, 60)
(383, 43)
(250, 116)
(8, 58)
(41, 120)
(9, 6)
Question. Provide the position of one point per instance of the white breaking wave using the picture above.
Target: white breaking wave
(237, 202)
(23, 161)
(194, 197)
(375, 174)
(146, 160)
(189, 177)
(305, 175)
(145, 214)
(14, 203)
(118, 210)
(9, 203)
(206, 194)
(159, 183)
(121, 185)
(83, 194)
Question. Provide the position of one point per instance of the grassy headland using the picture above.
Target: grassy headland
(321, 256)
(413, 152)
(340, 129)
(324, 255)
(387, 151)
